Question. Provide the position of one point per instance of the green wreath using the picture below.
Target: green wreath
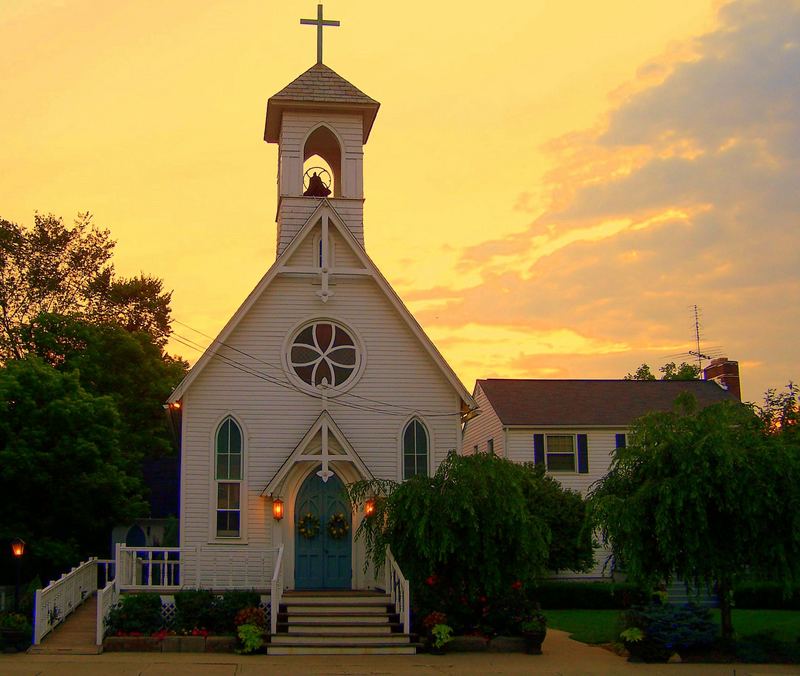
(308, 526)
(338, 526)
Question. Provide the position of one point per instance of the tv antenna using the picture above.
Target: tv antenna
(699, 353)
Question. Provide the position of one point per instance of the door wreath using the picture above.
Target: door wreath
(338, 526)
(308, 526)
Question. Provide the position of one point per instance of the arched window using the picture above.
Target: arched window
(228, 474)
(415, 449)
(322, 150)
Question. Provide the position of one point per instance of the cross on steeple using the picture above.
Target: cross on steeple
(319, 22)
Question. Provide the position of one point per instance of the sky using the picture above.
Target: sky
(550, 187)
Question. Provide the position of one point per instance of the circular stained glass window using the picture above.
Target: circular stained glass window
(324, 353)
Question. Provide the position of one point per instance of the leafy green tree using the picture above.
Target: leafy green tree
(705, 495)
(480, 527)
(127, 366)
(54, 269)
(781, 413)
(63, 479)
(670, 371)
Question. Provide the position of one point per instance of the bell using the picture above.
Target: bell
(316, 188)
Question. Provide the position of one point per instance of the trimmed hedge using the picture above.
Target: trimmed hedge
(765, 596)
(565, 595)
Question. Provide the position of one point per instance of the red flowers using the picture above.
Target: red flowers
(432, 580)
(517, 584)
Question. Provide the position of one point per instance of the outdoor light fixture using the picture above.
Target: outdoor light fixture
(277, 509)
(369, 507)
(18, 548)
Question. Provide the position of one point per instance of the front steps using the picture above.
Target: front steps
(339, 623)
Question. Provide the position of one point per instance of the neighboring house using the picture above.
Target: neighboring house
(321, 378)
(573, 426)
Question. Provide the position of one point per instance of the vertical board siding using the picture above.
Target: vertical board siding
(483, 427)
(293, 212)
(399, 373)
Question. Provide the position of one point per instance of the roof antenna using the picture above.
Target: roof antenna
(700, 356)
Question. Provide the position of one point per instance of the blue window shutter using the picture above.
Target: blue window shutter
(583, 454)
(620, 441)
(538, 449)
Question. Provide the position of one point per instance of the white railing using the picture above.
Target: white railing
(223, 567)
(106, 571)
(53, 604)
(148, 567)
(107, 598)
(276, 592)
(397, 588)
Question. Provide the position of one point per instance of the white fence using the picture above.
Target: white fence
(53, 604)
(107, 598)
(276, 592)
(397, 588)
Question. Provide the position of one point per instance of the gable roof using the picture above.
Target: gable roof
(277, 267)
(319, 86)
(603, 403)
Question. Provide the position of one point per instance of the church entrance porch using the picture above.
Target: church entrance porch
(323, 537)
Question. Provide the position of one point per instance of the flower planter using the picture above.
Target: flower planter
(533, 641)
(170, 644)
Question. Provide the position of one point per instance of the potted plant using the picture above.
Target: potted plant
(441, 635)
(534, 629)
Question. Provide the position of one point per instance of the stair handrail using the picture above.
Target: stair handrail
(107, 598)
(53, 604)
(276, 591)
(398, 589)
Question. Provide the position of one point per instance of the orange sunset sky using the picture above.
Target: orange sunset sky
(550, 185)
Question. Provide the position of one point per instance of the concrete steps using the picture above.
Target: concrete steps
(75, 636)
(339, 623)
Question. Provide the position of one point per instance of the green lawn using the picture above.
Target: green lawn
(603, 626)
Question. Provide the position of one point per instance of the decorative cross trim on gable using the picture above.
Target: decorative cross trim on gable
(333, 447)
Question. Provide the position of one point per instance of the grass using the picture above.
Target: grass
(603, 626)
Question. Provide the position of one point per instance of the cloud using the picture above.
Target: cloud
(689, 193)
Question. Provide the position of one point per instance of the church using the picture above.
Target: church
(322, 377)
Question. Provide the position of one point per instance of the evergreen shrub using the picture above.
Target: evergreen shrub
(668, 629)
(227, 606)
(136, 614)
(194, 609)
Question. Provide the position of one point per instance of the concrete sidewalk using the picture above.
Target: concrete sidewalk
(562, 656)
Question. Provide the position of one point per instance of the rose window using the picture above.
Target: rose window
(323, 353)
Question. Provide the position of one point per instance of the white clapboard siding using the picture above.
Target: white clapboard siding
(399, 372)
(483, 427)
(293, 212)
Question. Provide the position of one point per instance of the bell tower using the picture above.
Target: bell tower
(319, 115)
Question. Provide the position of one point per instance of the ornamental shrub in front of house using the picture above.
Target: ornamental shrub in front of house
(136, 614)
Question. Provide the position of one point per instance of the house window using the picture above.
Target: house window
(228, 474)
(490, 446)
(560, 452)
(415, 449)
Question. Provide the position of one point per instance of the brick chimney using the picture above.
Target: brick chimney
(724, 373)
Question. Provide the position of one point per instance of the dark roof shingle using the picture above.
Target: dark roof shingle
(590, 402)
(321, 84)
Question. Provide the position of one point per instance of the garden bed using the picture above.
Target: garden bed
(476, 644)
(170, 644)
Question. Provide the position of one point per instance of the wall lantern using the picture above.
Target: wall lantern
(18, 548)
(277, 509)
(369, 507)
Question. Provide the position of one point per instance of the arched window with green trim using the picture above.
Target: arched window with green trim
(415, 449)
(228, 474)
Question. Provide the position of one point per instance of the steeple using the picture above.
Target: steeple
(319, 115)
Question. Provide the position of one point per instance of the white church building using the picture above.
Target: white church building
(321, 378)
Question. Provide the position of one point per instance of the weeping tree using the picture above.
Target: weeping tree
(471, 532)
(704, 496)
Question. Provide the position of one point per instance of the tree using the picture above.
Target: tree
(110, 360)
(63, 479)
(669, 372)
(705, 496)
(466, 535)
(781, 413)
(54, 269)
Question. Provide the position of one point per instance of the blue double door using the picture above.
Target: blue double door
(322, 561)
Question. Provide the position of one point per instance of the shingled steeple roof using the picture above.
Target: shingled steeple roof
(319, 87)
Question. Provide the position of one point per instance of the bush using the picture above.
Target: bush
(194, 610)
(228, 605)
(557, 595)
(758, 595)
(667, 629)
(251, 638)
(136, 614)
(255, 616)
